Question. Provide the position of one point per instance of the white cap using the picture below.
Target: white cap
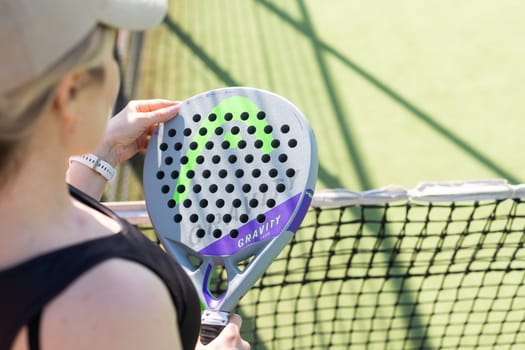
(35, 34)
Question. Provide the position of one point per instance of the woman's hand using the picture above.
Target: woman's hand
(126, 134)
(129, 131)
(229, 338)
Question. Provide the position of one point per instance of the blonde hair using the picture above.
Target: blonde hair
(22, 106)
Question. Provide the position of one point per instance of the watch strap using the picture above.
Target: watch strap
(97, 164)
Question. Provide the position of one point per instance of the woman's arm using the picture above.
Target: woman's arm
(115, 305)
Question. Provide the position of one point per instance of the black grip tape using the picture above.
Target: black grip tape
(209, 332)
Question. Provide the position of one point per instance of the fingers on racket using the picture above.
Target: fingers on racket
(230, 171)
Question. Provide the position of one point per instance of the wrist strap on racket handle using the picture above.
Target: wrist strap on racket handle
(212, 323)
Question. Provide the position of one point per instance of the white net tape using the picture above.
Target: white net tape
(445, 191)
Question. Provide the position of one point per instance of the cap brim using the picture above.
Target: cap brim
(131, 14)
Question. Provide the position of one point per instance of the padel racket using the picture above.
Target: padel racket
(227, 183)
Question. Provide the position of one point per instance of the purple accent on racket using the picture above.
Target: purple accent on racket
(211, 301)
(294, 226)
(253, 231)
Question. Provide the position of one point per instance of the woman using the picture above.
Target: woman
(72, 274)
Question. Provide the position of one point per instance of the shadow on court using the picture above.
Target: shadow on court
(305, 29)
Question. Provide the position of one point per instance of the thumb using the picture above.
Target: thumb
(151, 105)
(236, 320)
(161, 115)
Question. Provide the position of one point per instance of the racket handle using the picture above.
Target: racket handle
(212, 323)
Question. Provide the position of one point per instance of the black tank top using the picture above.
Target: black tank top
(27, 288)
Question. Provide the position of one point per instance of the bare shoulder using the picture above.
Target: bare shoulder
(116, 305)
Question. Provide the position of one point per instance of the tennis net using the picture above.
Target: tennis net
(440, 266)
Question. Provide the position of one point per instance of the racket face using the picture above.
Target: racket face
(233, 171)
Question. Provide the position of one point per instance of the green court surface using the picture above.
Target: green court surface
(397, 92)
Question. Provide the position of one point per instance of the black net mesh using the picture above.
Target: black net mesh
(397, 276)
(401, 275)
